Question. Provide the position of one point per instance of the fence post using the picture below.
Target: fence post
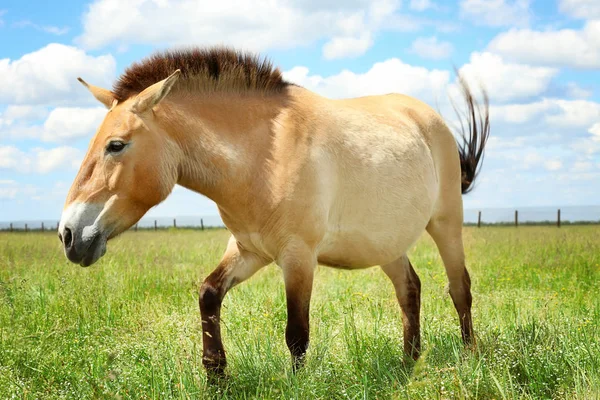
(136, 226)
(516, 218)
(42, 227)
(25, 227)
(174, 223)
(11, 227)
(479, 220)
(57, 225)
(201, 224)
(558, 219)
(154, 224)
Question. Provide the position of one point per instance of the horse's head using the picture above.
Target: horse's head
(129, 168)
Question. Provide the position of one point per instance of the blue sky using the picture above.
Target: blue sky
(539, 60)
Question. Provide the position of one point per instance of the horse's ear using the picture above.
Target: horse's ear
(104, 96)
(152, 95)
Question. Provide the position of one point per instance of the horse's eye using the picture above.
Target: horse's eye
(115, 146)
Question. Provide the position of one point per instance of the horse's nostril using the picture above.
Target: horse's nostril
(68, 238)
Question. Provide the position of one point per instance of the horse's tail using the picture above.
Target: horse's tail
(474, 136)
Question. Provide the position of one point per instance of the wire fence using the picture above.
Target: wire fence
(570, 215)
(147, 223)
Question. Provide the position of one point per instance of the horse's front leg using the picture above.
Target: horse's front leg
(235, 267)
(298, 264)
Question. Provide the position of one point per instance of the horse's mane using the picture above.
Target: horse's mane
(203, 69)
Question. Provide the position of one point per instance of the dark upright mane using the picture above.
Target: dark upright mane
(216, 68)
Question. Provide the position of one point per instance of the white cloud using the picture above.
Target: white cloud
(39, 160)
(51, 159)
(586, 146)
(565, 47)
(8, 192)
(595, 130)
(506, 81)
(256, 26)
(384, 77)
(66, 123)
(11, 190)
(11, 158)
(54, 30)
(519, 113)
(421, 5)
(532, 158)
(585, 9)
(497, 12)
(582, 166)
(49, 76)
(431, 48)
(341, 47)
(574, 113)
(13, 115)
(527, 158)
(577, 92)
(498, 143)
(535, 159)
(8, 189)
(553, 165)
(18, 121)
(62, 124)
(554, 113)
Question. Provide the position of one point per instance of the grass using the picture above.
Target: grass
(128, 327)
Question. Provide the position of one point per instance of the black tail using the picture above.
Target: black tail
(474, 140)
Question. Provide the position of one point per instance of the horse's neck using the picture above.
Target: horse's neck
(225, 144)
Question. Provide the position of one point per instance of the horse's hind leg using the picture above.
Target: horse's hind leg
(446, 231)
(408, 291)
(235, 267)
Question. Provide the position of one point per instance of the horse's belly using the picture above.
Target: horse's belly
(356, 251)
(362, 237)
(364, 247)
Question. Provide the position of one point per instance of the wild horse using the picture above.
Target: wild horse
(299, 180)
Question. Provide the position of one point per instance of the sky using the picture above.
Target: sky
(538, 60)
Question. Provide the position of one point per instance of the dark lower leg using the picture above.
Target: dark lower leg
(234, 268)
(298, 278)
(297, 330)
(408, 292)
(211, 297)
(410, 303)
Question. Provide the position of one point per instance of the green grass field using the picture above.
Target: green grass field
(129, 326)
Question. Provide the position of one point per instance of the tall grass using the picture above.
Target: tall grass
(129, 326)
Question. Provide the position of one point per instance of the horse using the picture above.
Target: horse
(299, 179)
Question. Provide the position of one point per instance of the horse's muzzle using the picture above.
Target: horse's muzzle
(80, 248)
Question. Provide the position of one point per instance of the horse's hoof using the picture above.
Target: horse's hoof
(216, 376)
(215, 368)
(298, 363)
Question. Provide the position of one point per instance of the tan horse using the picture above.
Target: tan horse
(299, 180)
